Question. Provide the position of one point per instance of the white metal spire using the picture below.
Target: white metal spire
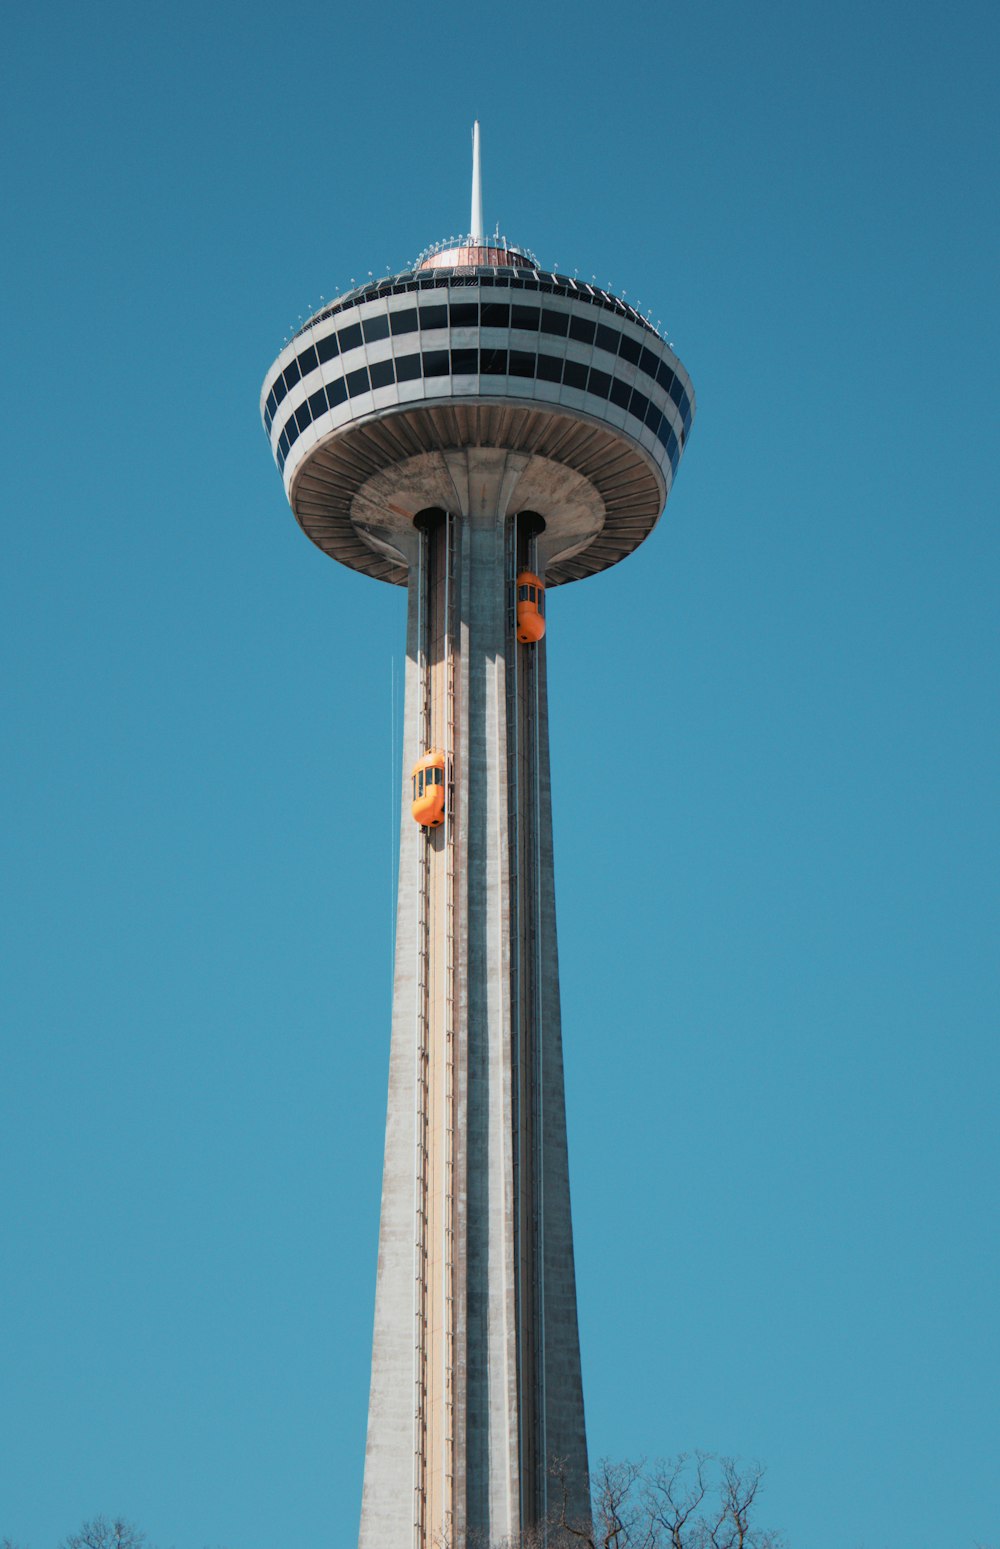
(476, 228)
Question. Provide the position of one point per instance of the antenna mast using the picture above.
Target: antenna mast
(476, 228)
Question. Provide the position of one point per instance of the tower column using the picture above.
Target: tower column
(475, 1235)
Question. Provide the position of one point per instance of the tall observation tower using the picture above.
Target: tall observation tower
(476, 430)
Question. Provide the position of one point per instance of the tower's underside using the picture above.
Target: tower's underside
(444, 429)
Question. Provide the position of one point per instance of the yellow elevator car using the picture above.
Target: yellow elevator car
(530, 608)
(428, 789)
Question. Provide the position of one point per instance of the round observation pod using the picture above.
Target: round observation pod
(530, 608)
(428, 789)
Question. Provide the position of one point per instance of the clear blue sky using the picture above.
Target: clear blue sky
(778, 951)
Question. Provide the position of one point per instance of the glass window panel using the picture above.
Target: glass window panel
(308, 361)
(336, 392)
(549, 368)
(522, 594)
(647, 362)
(524, 317)
(464, 362)
(582, 328)
(328, 348)
(620, 393)
(521, 363)
(496, 314)
(665, 376)
(607, 339)
(435, 362)
(407, 368)
(317, 404)
(676, 390)
(404, 322)
(638, 404)
(653, 417)
(272, 403)
(280, 390)
(375, 328)
(357, 381)
(464, 314)
(291, 374)
(349, 337)
(283, 442)
(554, 322)
(434, 317)
(381, 373)
(574, 374)
(493, 362)
(629, 349)
(599, 382)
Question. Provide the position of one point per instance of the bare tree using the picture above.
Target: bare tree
(697, 1502)
(106, 1533)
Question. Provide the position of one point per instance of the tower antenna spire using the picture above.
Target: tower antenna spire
(476, 227)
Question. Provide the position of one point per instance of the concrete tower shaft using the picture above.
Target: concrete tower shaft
(476, 1233)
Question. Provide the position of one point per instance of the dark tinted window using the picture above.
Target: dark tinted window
(434, 317)
(628, 349)
(653, 418)
(357, 381)
(620, 393)
(554, 322)
(676, 390)
(521, 364)
(493, 362)
(336, 392)
(582, 328)
(271, 405)
(375, 328)
(308, 361)
(686, 411)
(291, 374)
(268, 421)
(435, 362)
(317, 404)
(381, 373)
(349, 337)
(607, 339)
(283, 442)
(279, 390)
(647, 362)
(407, 368)
(524, 317)
(522, 594)
(574, 375)
(638, 404)
(549, 369)
(327, 348)
(404, 322)
(495, 314)
(665, 376)
(464, 314)
(599, 382)
(464, 362)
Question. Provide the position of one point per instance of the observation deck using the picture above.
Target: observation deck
(477, 347)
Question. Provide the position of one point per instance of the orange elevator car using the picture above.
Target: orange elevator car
(530, 608)
(428, 789)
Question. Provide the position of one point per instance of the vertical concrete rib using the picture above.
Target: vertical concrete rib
(476, 1384)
